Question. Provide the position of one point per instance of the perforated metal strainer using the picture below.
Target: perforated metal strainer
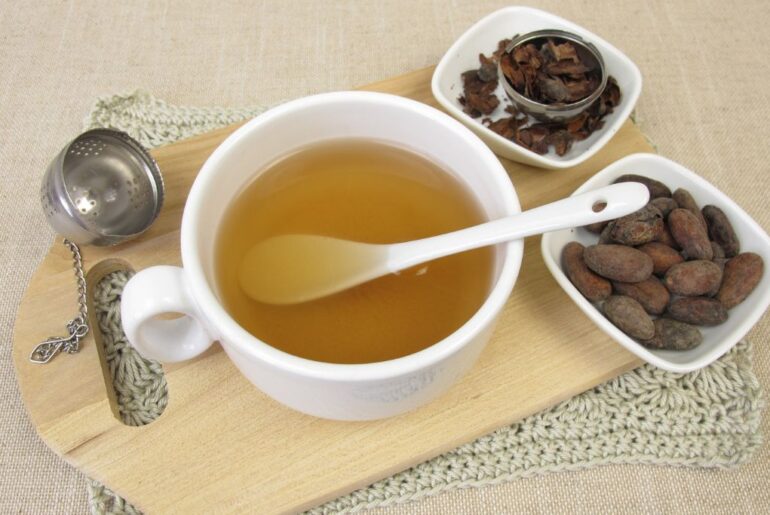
(102, 188)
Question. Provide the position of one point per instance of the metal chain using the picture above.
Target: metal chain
(77, 327)
(77, 264)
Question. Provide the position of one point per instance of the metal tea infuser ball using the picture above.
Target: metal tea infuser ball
(103, 188)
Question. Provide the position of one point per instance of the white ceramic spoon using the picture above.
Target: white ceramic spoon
(296, 268)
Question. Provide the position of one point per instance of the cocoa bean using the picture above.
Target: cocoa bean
(650, 293)
(596, 227)
(663, 257)
(721, 230)
(697, 310)
(690, 234)
(592, 286)
(629, 316)
(717, 250)
(665, 205)
(656, 188)
(639, 227)
(618, 262)
(693, 278)
(604, 236)
(742, 274)
(673, 335)
(666, 239)
(685, 200)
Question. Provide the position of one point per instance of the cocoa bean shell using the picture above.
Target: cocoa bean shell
(663, 257)
(697, 310)
(742, 274)
(629, 316)
(721, 230)
(650, 293)
(618, 262)
(592, 286)
(690, 234)
(693, 278)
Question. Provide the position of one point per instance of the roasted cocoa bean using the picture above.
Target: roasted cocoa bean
(604, 236)
(742, 274)
(639, 227)
(591, 285)
(721, 230)
(629, 316)
(666, 239)
(596, 227)
(693, 278)
(685, 200)
(656, 188)
(697, 310)
(650, 293)
(673, 335)
(618, 262)
(689, 234)
(717, 250)
(665, 205)
(663, 257)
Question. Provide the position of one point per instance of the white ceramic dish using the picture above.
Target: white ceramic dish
(483, 37)
(716, 340)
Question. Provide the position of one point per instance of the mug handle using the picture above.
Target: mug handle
(156, 291)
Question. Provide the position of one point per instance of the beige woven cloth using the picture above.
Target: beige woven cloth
(705, 103)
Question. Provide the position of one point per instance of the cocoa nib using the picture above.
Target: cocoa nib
(479, 89)
(501, 45)
(508, 127)
(564, 52)
(607, 101)
(561, 141)
(539, 137)
(488, 70)
(551, 71)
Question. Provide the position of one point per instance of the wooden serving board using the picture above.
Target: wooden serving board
(221, 445)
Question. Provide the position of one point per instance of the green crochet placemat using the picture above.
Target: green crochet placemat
(708, 418)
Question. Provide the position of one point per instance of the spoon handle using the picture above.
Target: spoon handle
(620, 199)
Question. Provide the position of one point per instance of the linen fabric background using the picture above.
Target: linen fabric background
(705, 103)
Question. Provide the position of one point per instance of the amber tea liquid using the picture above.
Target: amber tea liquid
(365, 191)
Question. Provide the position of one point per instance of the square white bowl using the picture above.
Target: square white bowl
(482, 38)
(716, 340)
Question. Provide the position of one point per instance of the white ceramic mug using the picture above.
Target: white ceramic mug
(335, 391)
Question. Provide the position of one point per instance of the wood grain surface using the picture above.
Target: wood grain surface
(221, 445)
